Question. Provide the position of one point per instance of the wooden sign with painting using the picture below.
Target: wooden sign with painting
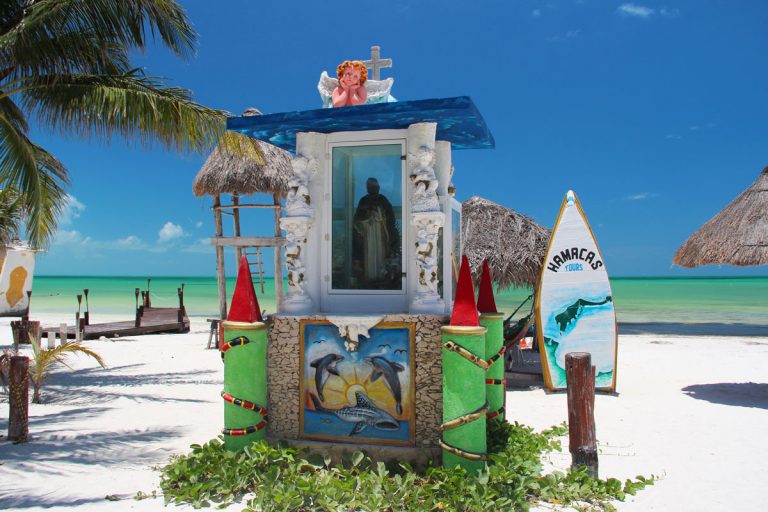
(574, 301)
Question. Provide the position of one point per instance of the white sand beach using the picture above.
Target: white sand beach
(690, 410)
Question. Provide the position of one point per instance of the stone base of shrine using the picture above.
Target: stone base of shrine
(287, 403)
(339, 452)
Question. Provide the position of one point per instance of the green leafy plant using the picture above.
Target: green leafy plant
(284, 479)
(44, 360)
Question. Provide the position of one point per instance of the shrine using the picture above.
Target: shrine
(355, 354)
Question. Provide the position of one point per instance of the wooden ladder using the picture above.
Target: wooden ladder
(255, 252)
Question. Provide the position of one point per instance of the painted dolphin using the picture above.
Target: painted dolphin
(323, 364)
(363, 414)
(389, 370)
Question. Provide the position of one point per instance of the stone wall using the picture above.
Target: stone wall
(283, 375)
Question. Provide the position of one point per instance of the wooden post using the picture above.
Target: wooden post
(62, 334)
(77, 316)
(580, 379)
(236, 221)
(147, 298)
(87, 314)
(18, 417)
(220, 276)
(137, 322)
(278, 273)
(20, 330)
(51, 339)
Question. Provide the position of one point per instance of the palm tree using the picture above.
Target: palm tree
(11, 213)
(66, 62)
(44, 360)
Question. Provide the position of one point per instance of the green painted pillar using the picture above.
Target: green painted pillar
(464, 400)
(495, 388)
(244, 351)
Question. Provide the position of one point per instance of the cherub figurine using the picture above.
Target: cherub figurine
(351, 90)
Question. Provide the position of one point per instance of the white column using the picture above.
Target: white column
(303, 272)
(426, 219)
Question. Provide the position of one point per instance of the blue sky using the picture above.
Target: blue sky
(653, 112)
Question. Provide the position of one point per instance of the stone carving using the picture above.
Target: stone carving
(298, 202)
(352, 327)
(428, 226)
(424, 181)
(296, 229)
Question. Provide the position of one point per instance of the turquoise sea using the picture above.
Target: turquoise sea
(656, 304)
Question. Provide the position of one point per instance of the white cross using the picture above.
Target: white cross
(376, 63)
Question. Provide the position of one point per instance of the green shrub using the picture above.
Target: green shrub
(283, 479)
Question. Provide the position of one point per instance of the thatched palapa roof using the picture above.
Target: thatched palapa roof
(225, 172)
(738, 235)
(513, 244)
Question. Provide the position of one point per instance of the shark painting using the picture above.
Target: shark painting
(363, 414)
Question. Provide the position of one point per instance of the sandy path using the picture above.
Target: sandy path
(693, 411)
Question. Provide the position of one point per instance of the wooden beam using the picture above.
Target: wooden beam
(240, 206)
(220, 277)
(236, 220)
(278, 273)
(582, 441)
(246, 241)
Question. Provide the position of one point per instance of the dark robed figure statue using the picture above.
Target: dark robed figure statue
(376, 241)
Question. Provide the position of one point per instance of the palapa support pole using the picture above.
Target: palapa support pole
(465, 406)
(244, 351)
(491, 319)
(147, 298)
(18, 416)
(221, 279)
(580, 378)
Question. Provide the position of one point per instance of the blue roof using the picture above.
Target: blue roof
(458, 122)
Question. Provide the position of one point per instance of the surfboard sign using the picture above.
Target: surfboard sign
(574, 301)
(17, 266)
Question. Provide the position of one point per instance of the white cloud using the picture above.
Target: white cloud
(69, 237)
(201, 246)
(635, 11)
(169, 231)
(536, 13)
(71, 211)
(130, 242)
(199, 224)
(639, 197)
(669, 12)
(672, 136)
(561, 38)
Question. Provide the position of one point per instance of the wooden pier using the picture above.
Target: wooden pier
(147, 320)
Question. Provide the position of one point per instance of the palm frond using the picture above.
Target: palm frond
(45, 360)
(37, 174)
(133, 23)
(131, 105)
(11, 214)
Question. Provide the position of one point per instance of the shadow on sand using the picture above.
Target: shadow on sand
(741, 394)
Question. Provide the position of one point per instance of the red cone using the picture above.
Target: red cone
(245, 305)
(485, 301)
(464, 309)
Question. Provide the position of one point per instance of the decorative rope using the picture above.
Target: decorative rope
(498, 412)
(462, 420)
(498, 382)
(495, 358)
(245, 404)
(244, 431)
(462, 453)
(466, 354)
(237, 342)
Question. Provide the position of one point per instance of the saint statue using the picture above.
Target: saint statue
(376, 241)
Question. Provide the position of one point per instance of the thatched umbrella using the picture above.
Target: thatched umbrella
(513, 244)
(738, 235)
(225, 172)
(258, 167)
